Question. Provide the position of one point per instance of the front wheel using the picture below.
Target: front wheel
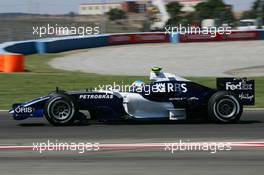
(60, 109)
(224, 107)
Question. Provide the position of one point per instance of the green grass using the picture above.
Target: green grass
(40, 79)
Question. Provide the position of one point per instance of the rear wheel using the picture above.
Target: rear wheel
(224, 107)
(60, 109)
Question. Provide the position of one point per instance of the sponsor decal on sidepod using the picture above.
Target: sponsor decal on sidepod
(99, 96)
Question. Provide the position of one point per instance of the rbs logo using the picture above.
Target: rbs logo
(170, 87)
(23, 110)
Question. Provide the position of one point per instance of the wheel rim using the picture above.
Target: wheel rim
(61, 110)
(226, 108)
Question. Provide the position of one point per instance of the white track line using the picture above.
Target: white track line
(131, 145)
(246, 109)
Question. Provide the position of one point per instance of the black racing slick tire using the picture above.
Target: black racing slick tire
(224, 107)
(60, 110)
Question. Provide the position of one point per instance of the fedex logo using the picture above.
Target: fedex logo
(239, 86)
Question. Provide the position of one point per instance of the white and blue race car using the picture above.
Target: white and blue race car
(166, 97)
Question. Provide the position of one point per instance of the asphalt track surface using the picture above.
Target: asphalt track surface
(240, 58)
(242, 160)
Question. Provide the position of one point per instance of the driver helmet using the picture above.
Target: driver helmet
(156, 69)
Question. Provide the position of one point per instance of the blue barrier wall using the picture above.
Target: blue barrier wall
(23, 47)
(73, 43)
(262, 35)
(174, 38)
(54, 45)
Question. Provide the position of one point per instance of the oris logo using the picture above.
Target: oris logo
(239, 86)
(24, 110)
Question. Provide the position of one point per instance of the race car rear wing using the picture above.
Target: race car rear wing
(244, 88)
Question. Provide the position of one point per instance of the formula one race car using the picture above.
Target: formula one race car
(166, 97)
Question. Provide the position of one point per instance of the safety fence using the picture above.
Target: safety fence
(233, 36)
(12, 53)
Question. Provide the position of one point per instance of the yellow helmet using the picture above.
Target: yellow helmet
(156, 69)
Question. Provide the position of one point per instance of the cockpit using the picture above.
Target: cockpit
(157, 75)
